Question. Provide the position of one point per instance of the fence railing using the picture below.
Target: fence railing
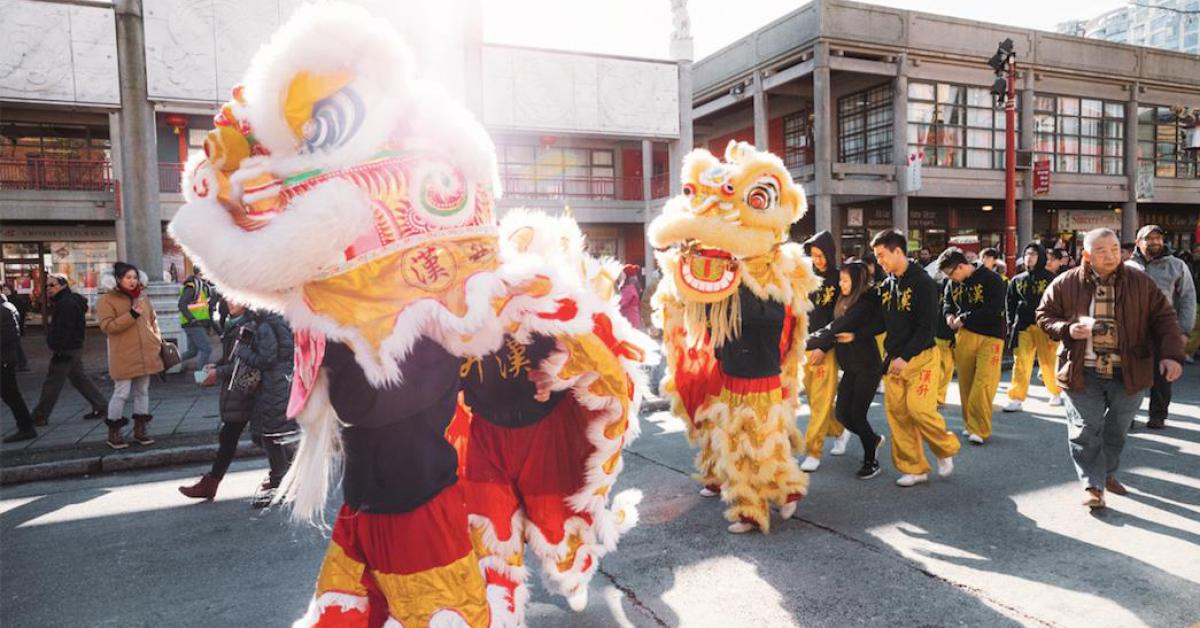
(596, 188)
(56, 174)
(170, 177)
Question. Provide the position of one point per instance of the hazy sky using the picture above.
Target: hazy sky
(642, 28)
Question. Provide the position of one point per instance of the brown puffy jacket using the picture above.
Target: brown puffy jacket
(1146, 325)
(133, 342)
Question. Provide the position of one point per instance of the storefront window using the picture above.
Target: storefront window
(865, 126)
(1162, 142)
(552, 172)
(955, 125)
(1082, 135)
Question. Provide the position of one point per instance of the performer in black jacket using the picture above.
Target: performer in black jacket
(909, 301)
(977, 317)
(821, 369)
(1026, 338)
(856, 321)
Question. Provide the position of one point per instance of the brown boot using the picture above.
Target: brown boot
(206, 488)
(114, 433)
(141, 422)
(1115, 487)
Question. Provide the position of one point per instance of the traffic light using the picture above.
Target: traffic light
(1000, 91)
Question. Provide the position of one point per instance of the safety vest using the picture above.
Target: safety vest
(199, 307)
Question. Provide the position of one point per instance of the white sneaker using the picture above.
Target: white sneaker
(787, 510)
(810, 464)
(975, 438)
(879, 389)
(839, 443)
(1014, 405)
(741, 527)
(1056, 400)
(909, 479)
(578, 600)
(708, 492)
(946, 465)
(965, 432)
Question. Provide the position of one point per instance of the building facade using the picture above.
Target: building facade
(1170, 24)
(887, 118)
(588, 132)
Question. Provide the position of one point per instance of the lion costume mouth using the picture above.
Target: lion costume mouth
(712, 273)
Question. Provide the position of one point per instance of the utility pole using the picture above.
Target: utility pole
(1004, 62)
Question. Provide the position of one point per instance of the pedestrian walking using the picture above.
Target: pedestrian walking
(253, 375)
(1117, 331)
(909, 300)
(820, 371)
(195, 316)
(134, 345)
(977, 318)
(22, 360)
(630, 302)
(855, 322)
(1026, 338)
(10, 355)
(65, 335)
(1174, 279)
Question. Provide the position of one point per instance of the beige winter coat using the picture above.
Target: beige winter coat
(133, 343)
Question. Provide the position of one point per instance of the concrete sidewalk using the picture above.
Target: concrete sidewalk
(185, 414)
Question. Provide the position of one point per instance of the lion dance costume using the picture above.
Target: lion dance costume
(473, 380)
(733, 303)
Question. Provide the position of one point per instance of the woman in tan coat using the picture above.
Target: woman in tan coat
(134, 341)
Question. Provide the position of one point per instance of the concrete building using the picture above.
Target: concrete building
(586, 131)
(1170, 24)
(850, 94)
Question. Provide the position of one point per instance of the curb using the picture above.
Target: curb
(118, 461)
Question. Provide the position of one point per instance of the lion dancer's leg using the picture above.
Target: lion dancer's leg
(754, 448)
(416, 568)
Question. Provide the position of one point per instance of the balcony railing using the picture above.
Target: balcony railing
(170, 177)
(594, 188)
(56, 174)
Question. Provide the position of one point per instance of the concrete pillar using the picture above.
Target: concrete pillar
(649, 211)
(822, 139)
(1129, 209)
(683, 145)
(1025, 142)
(761, 133)
(900, 143)
(114, 131)
(136, 143)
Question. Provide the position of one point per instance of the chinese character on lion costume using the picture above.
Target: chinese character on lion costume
(733, 304)
(473, 380)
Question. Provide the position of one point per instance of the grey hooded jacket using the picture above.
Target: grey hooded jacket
(1174, 279)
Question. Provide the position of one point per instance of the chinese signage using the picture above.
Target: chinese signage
(912, 172)
(1145, 181)
(1041, 177)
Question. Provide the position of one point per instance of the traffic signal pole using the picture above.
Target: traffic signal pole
(1010, 170)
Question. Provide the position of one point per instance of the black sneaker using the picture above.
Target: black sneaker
(95, 415)
(868, 470)
(263, 499)
(21, 435)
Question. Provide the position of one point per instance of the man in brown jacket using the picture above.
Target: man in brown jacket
(1112, 321)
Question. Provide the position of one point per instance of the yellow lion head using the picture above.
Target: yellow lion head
(728, 212)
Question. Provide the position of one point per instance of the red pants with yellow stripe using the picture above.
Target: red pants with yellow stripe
(518, 481)
(413, 568)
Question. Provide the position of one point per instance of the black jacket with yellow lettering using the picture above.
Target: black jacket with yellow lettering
(826, 296)
(981, 304)
(1025, 294)
(910, 311)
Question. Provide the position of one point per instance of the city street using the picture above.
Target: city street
(1004, 541)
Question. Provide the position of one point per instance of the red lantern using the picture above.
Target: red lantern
(178, 122)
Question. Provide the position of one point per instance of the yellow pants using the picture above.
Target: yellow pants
(945, 358)
(820, 384)
(910, 403)
(978, 360)
(1033, 341)
(879, 342)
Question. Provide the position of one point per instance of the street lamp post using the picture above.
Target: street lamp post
(1004, 62)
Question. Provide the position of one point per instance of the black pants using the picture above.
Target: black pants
(68, 366)
(279, 456)
(1160, 395)
(12, 396)
(855, 392)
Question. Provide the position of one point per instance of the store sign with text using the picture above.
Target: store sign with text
(1041, 177)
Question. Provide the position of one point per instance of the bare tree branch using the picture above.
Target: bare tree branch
(1160, 7)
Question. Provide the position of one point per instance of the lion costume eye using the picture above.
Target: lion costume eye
(689, 190)
(335, 120)
(763, 195)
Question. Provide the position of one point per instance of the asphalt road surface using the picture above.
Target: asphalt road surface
(1004, 541)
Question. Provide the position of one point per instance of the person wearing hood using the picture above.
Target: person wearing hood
(820, 367)
(978, 321)
(1174, 280)
(1027, 339)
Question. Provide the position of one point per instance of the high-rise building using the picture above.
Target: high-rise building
(1170, 24)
